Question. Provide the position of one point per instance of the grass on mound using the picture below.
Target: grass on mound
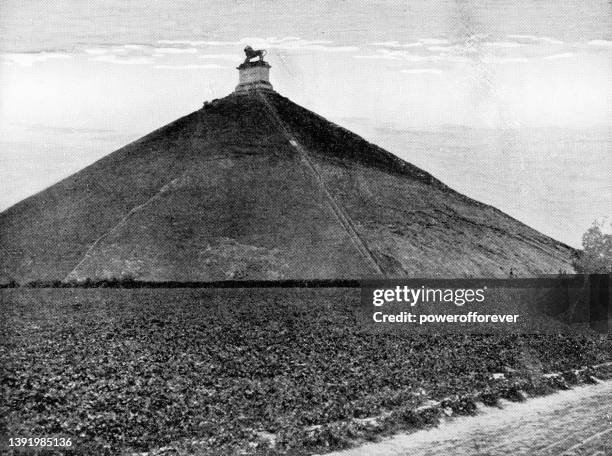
(232, 370)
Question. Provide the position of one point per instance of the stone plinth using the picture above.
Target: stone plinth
(254, 75)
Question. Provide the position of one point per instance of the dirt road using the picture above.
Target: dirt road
(577, 422)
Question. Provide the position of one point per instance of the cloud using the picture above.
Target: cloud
(534, 38)
(564, 55)
(494, 59)
(548, 40)
(605, 43)
(441, 48)
(135, 47)
(284, 43)
(211, 66)
(185, 46)
(387, 43)
(39, 127)
(422, 71)
(318, 47)
(199, 42)
(397, 55)
(123, 49)
(470, 49)
(294, 38)
(523, 37)
(386, 54)
(232, 57)
(403, 55)
(29, 58)
(175, 50)
(296, 44)
(503, 44)
(286, 39)
(112, 58)
(376, 57)
(433, 40)
(395, 44)
(97, 51)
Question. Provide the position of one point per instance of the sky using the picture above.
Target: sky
(509, 102)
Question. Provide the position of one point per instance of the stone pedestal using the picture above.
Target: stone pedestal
(254, 75)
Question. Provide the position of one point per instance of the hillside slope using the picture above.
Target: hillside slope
(257, 187)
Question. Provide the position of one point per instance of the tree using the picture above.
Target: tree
(596, 254)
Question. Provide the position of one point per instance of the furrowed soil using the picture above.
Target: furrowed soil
(251, 371)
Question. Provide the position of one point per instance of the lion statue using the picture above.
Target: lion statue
(252, 53)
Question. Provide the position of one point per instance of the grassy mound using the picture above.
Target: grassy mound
(263, 371)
